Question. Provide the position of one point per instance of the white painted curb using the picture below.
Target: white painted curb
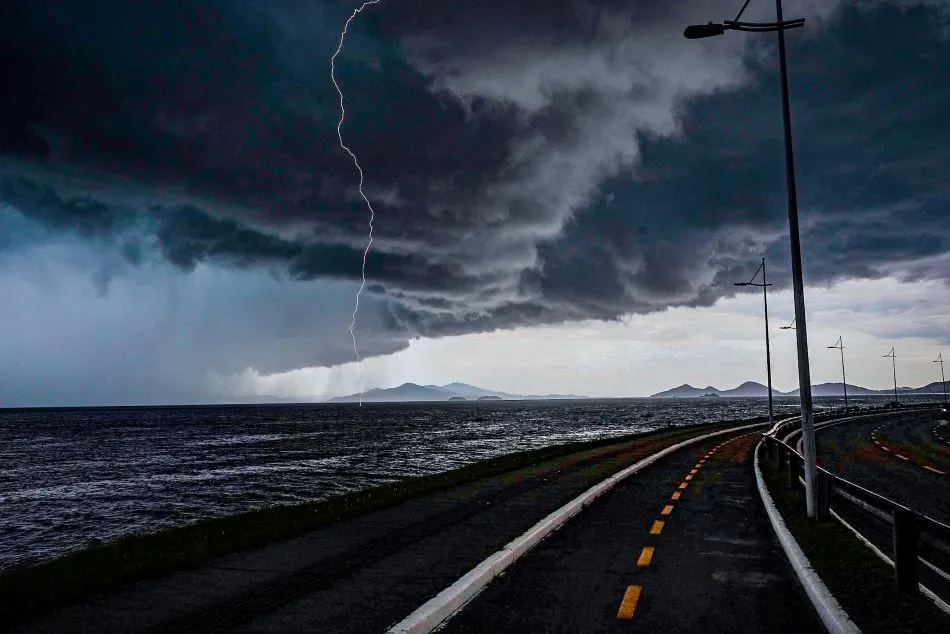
(832, 615)
(437, 609)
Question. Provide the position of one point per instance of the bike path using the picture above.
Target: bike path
(683, 547)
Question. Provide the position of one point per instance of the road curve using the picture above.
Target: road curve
(918, 441)
(897, 455)
(683, 547)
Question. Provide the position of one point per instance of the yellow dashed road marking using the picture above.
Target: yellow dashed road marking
(629, 604)
(631, 597)
(646, 556)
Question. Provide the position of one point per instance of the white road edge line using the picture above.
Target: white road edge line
(439, 608)
(929, 468)
(890, 562)
(832, 615)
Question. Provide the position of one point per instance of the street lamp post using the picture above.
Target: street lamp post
(768, 353)
(844, 384)
(711, 29)
(893, 356)
(943, 379)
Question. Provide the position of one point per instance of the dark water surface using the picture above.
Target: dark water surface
(71, 476)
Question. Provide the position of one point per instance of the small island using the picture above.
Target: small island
(490, 398)
(710, 395)
(457, 398)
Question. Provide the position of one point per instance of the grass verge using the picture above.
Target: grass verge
(858, 579)
(84, 573)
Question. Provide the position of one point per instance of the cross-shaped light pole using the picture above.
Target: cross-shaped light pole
(844, 384)
(768, 353)
(893, 357)
(711, 29)
(943, 379)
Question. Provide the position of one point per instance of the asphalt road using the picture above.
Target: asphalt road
(920, 440)
(899, 455)
(941, 432)
(657, 554)
(904, 457)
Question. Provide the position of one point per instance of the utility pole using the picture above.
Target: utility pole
(893, 357)
(798, 289)
(768, 352)
(697, 31)
(943, 379)
(844, 383)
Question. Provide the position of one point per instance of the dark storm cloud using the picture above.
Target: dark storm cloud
(872, 156)
(81, 214)
(529, 162)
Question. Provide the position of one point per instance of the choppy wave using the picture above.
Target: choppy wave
(71, 476)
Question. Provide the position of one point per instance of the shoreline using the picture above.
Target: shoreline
(102, 568)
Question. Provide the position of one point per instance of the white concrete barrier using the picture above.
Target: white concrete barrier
(832, 615)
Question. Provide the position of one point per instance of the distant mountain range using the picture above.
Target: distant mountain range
(408, 392)
(753, 389)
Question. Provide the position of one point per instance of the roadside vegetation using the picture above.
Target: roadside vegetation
(858, 579)
(84, 573)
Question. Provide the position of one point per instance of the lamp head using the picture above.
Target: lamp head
(699, 31)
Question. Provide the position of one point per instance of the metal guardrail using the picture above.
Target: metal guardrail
(914, 536)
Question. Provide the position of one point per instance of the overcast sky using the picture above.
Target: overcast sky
(564, 194)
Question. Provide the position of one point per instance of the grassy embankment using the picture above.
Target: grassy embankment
(858, 579)
(83, 573)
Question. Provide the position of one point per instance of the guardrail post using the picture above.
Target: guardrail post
(905, 550)
(824, 495)
(792, 472)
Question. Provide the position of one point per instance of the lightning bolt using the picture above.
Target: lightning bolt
(372, 213)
